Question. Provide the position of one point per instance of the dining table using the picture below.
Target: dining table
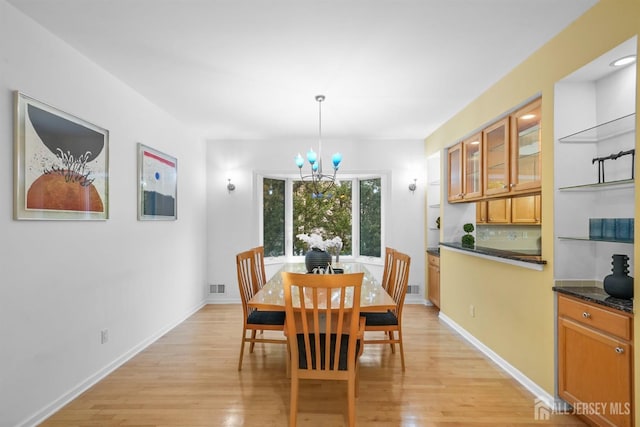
(373, 297)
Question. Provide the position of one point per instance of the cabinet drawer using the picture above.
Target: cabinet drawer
(607, 320)
(434, 260)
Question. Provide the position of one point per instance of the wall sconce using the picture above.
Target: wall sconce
(230, 186)
(412, 186)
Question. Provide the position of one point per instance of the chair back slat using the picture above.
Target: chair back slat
(261, 275)
(399, 279)
(322, 312)
(247, 279)
(386, 272)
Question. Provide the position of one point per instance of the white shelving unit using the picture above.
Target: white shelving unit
(594, 121)
(433, 199)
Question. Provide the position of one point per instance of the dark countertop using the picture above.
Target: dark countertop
(434, 251)
(531, 256)
(596, 295)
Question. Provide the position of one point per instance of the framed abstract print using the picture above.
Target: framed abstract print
(158, 185)
(61, 164)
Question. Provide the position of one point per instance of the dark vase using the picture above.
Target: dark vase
(315, 258)
(619, 284)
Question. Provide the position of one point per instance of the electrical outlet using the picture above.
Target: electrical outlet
(104, 336)
(472, 310)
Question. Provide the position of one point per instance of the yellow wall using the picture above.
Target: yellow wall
(515, 306)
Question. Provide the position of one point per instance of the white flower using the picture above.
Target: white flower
(315, 240)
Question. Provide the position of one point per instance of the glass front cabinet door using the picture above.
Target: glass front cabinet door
(454, 184)
(472, 153)
(525, 151)
(496, 158)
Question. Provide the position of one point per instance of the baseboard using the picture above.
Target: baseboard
(57, 404)
(539, 393)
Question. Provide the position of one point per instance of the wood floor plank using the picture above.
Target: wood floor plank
(189, 377)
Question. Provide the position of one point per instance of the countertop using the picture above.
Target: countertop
(530, 256)
(596, 295)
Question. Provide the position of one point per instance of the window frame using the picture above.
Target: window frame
(355, 214)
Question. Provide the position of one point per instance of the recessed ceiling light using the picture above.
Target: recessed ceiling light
(476, 142)
(528, 116)
(625, 60)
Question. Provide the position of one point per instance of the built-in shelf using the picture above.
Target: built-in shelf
(587, 239)
(624, 183)
(604, 131)
(434, 182)
(435, 205)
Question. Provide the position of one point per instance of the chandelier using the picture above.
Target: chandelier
(319, 182)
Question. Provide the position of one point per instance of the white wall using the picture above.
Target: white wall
(62, 282)
(233, 217)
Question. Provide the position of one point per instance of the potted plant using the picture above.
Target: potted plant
(468, 239)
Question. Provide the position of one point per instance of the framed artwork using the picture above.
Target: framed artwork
(61, 164)
(158, 185)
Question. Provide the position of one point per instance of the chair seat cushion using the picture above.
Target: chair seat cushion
(258, 317)
(344, 346)
(380, 319)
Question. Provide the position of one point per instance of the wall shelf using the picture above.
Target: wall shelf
(587, 239)
(625, 183)
(604, 131)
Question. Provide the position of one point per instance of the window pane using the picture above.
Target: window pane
(273, 217)
(330, 215)
(370, 218)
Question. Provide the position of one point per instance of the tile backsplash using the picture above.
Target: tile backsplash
(509, 237)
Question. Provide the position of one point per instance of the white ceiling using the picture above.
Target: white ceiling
(250, 69)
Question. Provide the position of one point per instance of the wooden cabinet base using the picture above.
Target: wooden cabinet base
(594, 365)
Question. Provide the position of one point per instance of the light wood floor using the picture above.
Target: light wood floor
(189, 377)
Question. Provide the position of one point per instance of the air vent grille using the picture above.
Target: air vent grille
(216, 289)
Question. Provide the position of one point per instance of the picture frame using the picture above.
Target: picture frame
(158, 185)
(61, 164)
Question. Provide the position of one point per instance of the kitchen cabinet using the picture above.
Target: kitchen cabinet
(525, 165)
(495, 145)
(472, 167)
(526, 210)
(595, 354)
(513, 210)
(503, 159)
(454, 182)
(434, 279)
(465, 170)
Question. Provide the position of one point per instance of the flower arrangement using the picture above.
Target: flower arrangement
(315, 240)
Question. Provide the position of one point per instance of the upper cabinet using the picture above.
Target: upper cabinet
(454, 182)
(472, 169)
(525, 148)
(496, 158)
(502, 160)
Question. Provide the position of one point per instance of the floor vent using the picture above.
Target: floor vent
(216, 289)
(413, 289)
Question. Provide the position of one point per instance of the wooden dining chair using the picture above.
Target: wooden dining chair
(391, 321)
(261, 275)
(254, 320)
(386, 272)
(324, 330)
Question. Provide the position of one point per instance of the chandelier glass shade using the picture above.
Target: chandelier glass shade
(319, 182)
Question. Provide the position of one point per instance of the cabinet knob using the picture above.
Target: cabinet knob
(512, 185)
(619, 350)
(586, 315)
(504, 185)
